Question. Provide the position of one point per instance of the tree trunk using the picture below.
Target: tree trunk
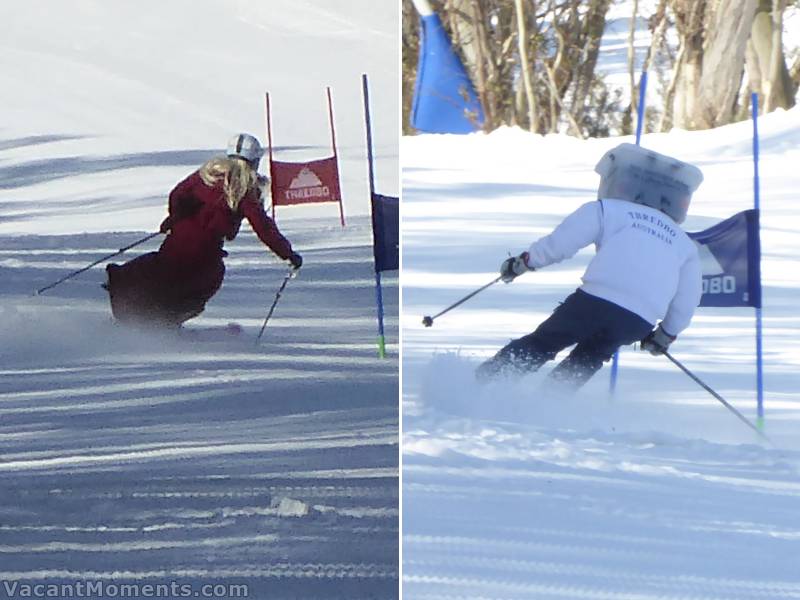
(685, 96)
(794, 73)
(410, 28)
(465, 36)
(595, 26)
(727, 29)
(522, 41)
(667, 120)
(689, 17)
(658, 26)
(766, 63)
(556, 98)
(632, 65)
(483, 75)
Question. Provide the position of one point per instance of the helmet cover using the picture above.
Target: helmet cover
(633, 173)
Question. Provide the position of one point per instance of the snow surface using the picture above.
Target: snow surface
(128, 457)
(655, 493)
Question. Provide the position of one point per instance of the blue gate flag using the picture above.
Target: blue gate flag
(444, 97)
(386, 232)
(730, 255)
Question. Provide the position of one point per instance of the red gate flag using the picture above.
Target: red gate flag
(305, 182)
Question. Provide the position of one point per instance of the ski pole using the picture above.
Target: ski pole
(718, 397)
(286, 279)
(428, 321)
(97, 262)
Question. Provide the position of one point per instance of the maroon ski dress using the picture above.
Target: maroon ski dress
(172, 285)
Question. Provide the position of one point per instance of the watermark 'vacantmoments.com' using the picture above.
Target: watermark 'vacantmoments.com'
(105, 589)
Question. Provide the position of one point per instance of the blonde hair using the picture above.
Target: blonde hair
(237, 175)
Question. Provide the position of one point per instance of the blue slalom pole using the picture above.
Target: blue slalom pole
(640, 108)
(757, 205)
(378, 290)
(639, 122)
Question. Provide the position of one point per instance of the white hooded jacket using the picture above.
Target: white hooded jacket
(645, 263)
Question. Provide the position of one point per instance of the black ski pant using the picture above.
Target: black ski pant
(597, 327)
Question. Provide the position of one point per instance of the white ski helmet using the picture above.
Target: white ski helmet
(246, 146)
(632, 173)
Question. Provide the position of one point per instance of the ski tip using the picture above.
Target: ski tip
(214, 333)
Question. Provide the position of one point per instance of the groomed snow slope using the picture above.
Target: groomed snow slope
(655, 493)
(139, 458)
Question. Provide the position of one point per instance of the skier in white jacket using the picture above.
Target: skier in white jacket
(646, 269)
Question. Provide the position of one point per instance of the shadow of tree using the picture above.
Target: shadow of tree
(33, 140)
(75, 207)
(41, 171)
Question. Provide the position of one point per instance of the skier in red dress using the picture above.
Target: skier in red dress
(172, 285)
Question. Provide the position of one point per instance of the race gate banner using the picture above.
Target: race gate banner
(386, 232)
(444, 98)
(305, 182)
(730, 256)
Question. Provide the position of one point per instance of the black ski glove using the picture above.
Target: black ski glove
(296, 260)
(657, 341)
(166, 225)
(513, 267)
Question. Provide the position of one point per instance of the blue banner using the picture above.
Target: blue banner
(386, 232)
(730, 255)
(444, 98)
